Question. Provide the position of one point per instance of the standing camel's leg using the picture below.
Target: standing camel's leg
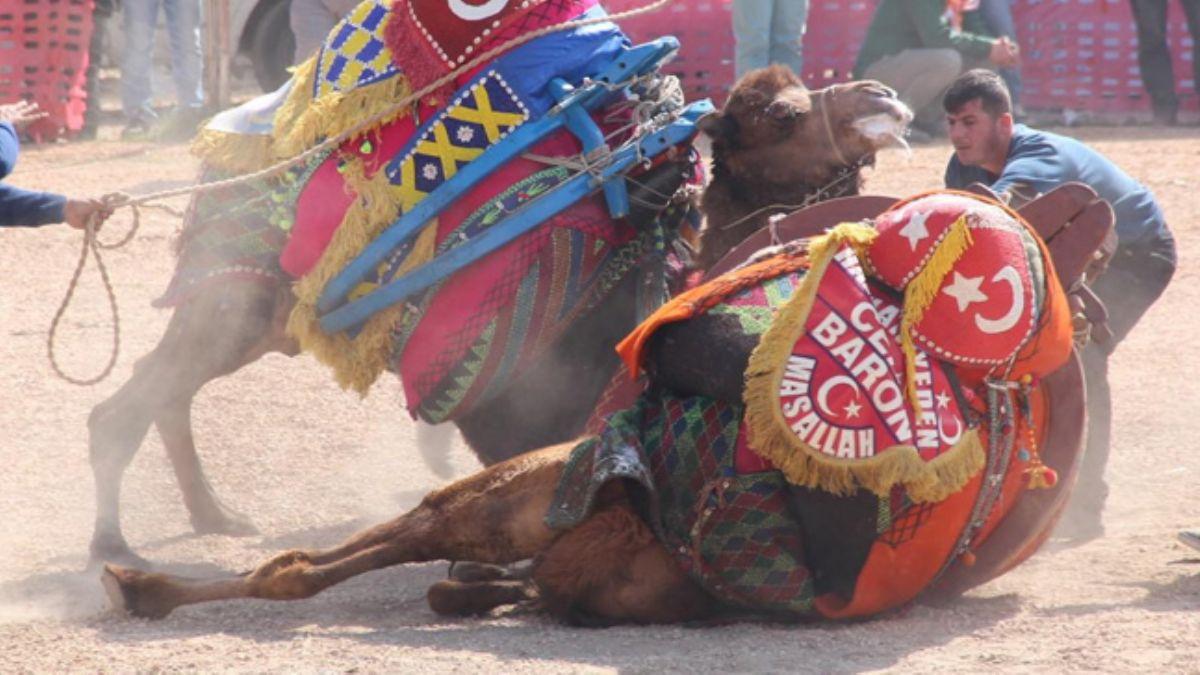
(496, 516)
(216, 332)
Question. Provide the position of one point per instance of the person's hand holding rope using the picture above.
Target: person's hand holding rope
(78, 212)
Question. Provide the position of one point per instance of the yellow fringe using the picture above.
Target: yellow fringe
(235, 153)
(771, 437)
(920, 293)
(356, 363)
(302, 121)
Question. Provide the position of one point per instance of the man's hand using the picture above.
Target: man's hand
(1005, 53)
(21, 113)
(77, 212)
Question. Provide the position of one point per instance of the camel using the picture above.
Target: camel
(613, 565)
(819, 140)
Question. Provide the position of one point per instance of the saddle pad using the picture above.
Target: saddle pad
(825, 393)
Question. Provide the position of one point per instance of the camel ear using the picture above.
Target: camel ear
(715, 125)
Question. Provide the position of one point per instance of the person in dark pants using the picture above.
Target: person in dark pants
(102, 10)
(1013, 159)
(29, 208)
(1154, 59)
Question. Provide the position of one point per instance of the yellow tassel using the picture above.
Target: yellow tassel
(356, 363)
(235, 153)
(302, 121)
(920, 293)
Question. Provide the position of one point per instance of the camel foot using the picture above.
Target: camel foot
(456, 598)
(223, 520)
(108, 550)
(127, 592)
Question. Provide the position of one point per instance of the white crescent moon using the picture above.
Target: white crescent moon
(477, 12)
(993, 326)
(957, 432)
(827, 386)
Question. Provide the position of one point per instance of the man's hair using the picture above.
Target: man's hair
(981, 84)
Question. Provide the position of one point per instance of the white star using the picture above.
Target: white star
(943, 401)
(965, 290)
(465, 134)
(429, 171)
(915, 230)
(852, 409)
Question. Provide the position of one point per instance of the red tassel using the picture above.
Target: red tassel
(1041, 477)
(967, 559)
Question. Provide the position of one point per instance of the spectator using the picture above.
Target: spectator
(769, 31)
(1154, 59)
(917, 48)
(183, 29)
(998, 17)
(311, 21)
(1014, 159)
(26, 208)
(102, 11)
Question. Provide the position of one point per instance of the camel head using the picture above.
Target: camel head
(775, 142)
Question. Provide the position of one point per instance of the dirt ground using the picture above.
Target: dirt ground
(310, 464)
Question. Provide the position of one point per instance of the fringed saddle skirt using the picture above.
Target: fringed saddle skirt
(456, 343)
(859, 465)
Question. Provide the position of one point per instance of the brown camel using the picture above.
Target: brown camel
(230, 323)
(612, 567)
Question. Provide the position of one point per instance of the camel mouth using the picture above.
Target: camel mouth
(886, 129)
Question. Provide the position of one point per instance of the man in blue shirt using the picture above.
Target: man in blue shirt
(27, 208)
(1016, 161)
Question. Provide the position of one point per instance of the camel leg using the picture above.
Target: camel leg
(494, 516)
(465, 598)
(208, 514)
(221, 329)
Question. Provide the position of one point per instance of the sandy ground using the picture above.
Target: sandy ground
(310, 464)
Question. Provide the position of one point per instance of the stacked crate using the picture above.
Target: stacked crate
(43, 58)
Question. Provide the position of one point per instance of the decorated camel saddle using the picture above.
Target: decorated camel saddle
(908, 410)
(458, 236)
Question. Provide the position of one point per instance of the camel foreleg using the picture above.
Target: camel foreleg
(494, 516)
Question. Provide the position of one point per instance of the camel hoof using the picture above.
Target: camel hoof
(122, 586)
(224, 522)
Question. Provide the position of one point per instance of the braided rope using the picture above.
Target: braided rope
(118, 200)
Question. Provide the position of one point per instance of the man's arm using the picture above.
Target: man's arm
(1037, 167)
(937, 34)
(26, 208)
(10, 148)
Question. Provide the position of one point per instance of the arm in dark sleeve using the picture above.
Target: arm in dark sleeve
(936, 33)
(26, 208)
(10, 147)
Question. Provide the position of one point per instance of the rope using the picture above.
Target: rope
(118, 200)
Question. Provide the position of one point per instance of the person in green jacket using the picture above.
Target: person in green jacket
(918, 47)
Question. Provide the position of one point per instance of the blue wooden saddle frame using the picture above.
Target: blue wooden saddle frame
(524, 219)
(571, 111)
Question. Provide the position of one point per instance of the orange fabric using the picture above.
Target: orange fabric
(893, 576)
(1051, 344)
(700, 299)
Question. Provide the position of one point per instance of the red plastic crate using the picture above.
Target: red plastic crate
(1079, 54)
(43, 58)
